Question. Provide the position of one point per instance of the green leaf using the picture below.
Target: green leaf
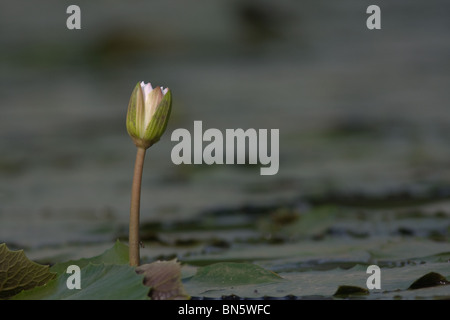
(18, 273)
(118, 254)
(431, 279)
(230, 278)
(312, 223)
(347, 291)
(232, 273)
(108, 276)
(98, 282)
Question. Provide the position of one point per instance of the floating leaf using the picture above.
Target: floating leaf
(346, 291)
(312, 223)
(18, 273)
(164, 279)
(118, 254)
(431, 279)
(98, 282)
(232, 273)
(108, 276)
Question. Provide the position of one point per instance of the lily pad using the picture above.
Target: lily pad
(431, 279)
(118, 254)
(98, 282)
(347, 291)
(229, 278)
(231, 273)
(108, 276)
(18, 273)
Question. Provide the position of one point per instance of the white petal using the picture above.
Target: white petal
(152, 100)
(146, 88)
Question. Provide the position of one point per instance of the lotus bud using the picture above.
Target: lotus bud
(148, 114)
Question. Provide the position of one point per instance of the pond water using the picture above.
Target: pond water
(360, 112)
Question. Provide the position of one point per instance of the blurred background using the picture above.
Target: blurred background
(359, 111)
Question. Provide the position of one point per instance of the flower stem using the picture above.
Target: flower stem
(133, 240)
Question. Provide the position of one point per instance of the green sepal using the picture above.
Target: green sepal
(136, 97)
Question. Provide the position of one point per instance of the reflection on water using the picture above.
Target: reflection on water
(357, 109)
